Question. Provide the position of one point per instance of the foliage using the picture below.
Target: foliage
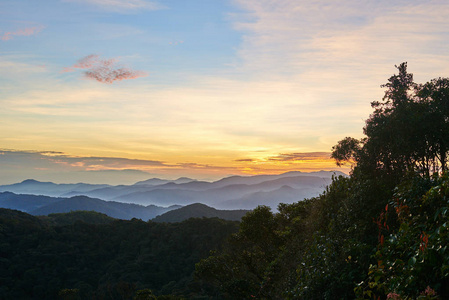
(90, 217)
(414, 257)
(346, 151)
(406, 132)
(43, 260)
(245, 273)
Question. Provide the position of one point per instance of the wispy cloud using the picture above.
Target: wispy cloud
(18, 165)
(60, 160)
(104, 70)
(342, 37)
(103, 163)
(22, 32)
(296, 157)
(122, 5)
(176, 43)
(56, 159)
(306, 156)
(283, 162)
(23, 164)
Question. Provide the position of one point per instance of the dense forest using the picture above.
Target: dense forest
(381, 233)
(88, 255)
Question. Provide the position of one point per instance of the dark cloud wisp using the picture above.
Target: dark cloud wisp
(104, 70)
(300, 156)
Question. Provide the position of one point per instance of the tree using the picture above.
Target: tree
(407, 132)
(346, 150)
(242, 270)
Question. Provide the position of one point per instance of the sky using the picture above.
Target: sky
(115, 91)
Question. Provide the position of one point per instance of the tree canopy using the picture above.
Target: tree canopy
(407, 132)
(94, 257)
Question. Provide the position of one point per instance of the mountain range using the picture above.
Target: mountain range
(234, 192)
(81, 205)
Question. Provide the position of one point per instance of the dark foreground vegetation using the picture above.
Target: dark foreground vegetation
(382, 233)
(87, 255)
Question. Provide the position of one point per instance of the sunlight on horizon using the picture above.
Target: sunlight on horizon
(200, 89)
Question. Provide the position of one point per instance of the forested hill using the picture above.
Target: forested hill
(198, 210)
(65, 255)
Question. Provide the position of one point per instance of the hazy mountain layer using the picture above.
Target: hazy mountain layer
(44, 205)
(235, 192)
(234, 196)
(35, 187)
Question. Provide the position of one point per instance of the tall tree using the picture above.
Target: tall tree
(407, 132)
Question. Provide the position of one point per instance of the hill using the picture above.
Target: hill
(198, 210)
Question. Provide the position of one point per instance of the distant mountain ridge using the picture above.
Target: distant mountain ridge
(157, 181)
(234, 192)
(45, 205)
(83, 208)
(31, 186)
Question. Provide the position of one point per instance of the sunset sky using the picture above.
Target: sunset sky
(115, 91)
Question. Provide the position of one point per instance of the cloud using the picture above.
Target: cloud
(102, 163)
(58, 160)
(176, 43)
(22, 32)
(284, 162)
(122, 5)
(18, 165)
(290, 158)
(244, 160)
(104, 70)
(301, 156)
(350, 39)
(198, 166)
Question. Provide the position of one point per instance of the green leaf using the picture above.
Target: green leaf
(412, 261)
